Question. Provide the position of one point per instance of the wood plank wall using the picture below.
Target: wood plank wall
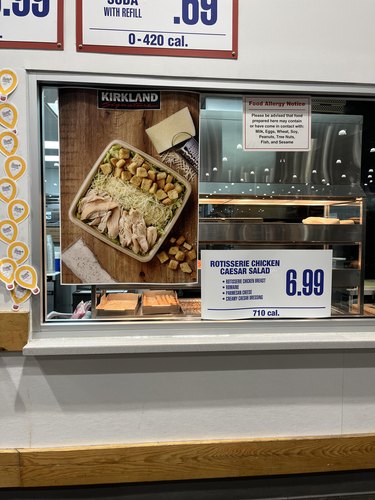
(184, 461)
(14, 330)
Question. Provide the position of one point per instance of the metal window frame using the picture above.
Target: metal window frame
(177, 336)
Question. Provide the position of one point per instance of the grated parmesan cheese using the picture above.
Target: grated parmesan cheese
(128, 196)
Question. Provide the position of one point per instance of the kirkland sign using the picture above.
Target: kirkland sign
(131, 99)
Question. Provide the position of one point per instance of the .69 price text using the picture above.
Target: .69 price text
(195, 11)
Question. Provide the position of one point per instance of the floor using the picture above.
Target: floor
(339, 486)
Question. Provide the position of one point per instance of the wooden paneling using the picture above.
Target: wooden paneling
(9, 469)
(14, 330)
(194, 460)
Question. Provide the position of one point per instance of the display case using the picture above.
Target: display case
(262, 222)
(118, 302)
(285, 221)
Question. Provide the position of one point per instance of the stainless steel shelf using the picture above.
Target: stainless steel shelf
(242, 232)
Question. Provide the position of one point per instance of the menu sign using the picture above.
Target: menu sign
(273, 123)
(264, 284)
(129, 186)
(31, 24)
(199, 28)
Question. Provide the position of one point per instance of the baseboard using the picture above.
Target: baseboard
(185, 460)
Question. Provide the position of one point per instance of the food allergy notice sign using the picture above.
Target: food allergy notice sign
(277, 123)
(197, 28)
(245, 284)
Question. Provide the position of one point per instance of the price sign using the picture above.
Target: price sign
(245, 284)
(31, 24)
(198, 28)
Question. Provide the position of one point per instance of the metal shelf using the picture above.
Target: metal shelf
(241, 232)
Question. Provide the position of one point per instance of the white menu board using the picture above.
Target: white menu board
(256, 284)
(34, 24)
(273, 123)
(200, 28)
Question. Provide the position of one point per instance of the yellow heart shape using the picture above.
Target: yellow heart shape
(18, 251)
(8, 189)
(18, 210)
(8, 231)
(15, 167)
(19, 295)
(8, 81)
(7, 270)
(27, 278)
(8, 115)
(8, 143)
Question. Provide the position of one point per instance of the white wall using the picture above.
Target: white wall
(127, 399)
(121, 399)
(57, 401)
(309, 40)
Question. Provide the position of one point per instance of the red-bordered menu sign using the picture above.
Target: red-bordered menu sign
(32, 24)
(187, 28)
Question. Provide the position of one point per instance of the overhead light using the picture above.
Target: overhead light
(342, 132)
(214, 169)
(338, 161)
(239, 146)
(51, 144)
(372, 150)
(225, 158)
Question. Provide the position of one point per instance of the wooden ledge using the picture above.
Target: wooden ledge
(9, 469)
(184, 461)
(14, 330)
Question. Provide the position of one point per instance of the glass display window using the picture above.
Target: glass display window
(246, 200)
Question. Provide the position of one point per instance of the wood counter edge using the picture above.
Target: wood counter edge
(173, 461)
(14, 330)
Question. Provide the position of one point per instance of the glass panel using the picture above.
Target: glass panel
(251, 200)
